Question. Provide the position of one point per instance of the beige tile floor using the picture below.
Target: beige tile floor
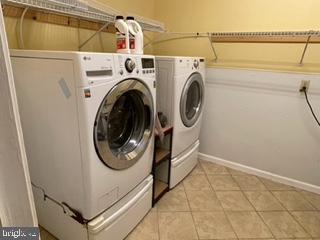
(215, 202)
(46, 235)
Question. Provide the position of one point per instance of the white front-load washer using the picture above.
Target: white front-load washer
(88, 122)
(180, 96)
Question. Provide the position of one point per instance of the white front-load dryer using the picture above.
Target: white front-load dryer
(88, 122)
(180, 96)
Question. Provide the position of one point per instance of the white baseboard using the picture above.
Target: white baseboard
(261, 173)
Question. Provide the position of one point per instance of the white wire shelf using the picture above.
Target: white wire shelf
(66, 7)
(266, 34)
(90, 10)
(268, 37)
(149, 24)
(285, 37)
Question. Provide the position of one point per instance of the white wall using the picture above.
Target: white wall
(260, 120)
(16, 199)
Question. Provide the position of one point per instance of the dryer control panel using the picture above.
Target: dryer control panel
(191, 63)
(185, 65)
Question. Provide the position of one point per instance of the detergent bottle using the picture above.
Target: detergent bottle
(122, 34)
(136, 36)
(132, 35)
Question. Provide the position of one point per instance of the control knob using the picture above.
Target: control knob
(130, 65)
(196, 63)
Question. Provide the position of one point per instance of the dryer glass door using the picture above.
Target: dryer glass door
(124, 124)
(192, 100)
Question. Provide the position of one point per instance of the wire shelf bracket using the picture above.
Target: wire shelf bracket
(212, 47)
(304, 50)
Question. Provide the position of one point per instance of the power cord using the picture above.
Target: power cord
(304, 90)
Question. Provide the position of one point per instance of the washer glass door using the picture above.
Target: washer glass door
(192, 100)
(124, 124)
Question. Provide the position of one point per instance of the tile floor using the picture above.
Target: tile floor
(215, 202)
(46, 235)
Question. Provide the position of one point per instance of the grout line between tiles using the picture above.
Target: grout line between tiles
(191, 212)
(254, 206)
(284, 208)
(224, 212)
(296, 220)
(288, 211)
(301, 195)
(203, 172)
(305, 198)
(158, 221)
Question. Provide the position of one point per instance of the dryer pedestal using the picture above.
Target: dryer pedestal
(183, 164)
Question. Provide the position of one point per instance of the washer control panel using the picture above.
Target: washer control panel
(96, 68)
(135, 65)
(148, 65)
(148, 71)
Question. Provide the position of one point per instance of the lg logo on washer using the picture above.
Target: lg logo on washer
(98, 68)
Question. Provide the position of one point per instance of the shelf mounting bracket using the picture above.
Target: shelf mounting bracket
(212, 47)
(93, 35)
(304, 50)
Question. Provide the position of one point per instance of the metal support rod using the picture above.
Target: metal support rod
(304, 50)
(212, 47)
(93, 35)
(172, 39)
(150, 40)
(146, 36)
(186, 33)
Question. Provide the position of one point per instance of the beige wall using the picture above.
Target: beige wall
(54, 37)
(241, 15)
